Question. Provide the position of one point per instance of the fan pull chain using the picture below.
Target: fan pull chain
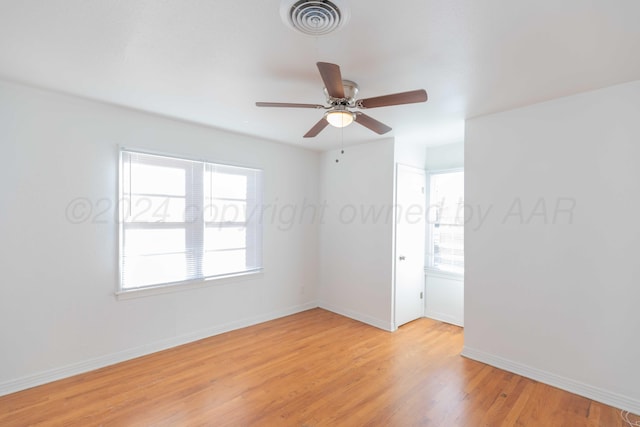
(341, 143)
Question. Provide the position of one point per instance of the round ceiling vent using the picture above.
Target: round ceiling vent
(314, 17)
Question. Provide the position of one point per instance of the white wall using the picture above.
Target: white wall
(356, 236)
(556, 297)
(410, 154)
(447, 156)
(444, 294)
(58, 313)
(444, 298)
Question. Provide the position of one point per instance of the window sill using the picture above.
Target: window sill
(184, 286)
(432, 272)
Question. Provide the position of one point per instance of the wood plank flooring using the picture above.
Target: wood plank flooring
(314, 368)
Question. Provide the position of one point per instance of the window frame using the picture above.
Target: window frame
(197, 282)
(430, 269)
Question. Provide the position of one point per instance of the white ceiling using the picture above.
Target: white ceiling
(208, 61)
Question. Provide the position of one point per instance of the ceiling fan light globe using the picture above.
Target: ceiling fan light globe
(340, 118)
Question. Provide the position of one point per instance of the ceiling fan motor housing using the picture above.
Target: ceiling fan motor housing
(350, 93)
(314, 17)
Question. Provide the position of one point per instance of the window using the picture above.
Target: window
(446, 221)
(184, 220)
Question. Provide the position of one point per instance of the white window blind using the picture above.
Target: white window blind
(446, 221)
(183, 220)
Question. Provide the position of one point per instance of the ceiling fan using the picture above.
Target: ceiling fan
(341, 98)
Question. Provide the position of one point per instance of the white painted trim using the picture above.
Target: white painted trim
(184, 156)
(44, 377)
(187, 284)
(394, 285)
(414, 168)
(381, 324)
(442, 317)
(432, 272)
(591, 392)
(447, 170)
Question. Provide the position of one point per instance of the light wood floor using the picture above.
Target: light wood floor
(310, 369)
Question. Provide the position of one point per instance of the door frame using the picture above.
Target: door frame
(423, 171)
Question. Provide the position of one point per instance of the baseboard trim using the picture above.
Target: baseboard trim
(381, 324)
(442, 317)
(594, 393)
(50, 375)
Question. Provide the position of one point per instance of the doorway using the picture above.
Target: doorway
(409, 244)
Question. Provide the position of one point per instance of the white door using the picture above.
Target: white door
(410, 244)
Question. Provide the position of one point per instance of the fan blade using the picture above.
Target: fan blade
(332, 79)
(394, 99)
(287, 105)
(371, 123)
(317, 128)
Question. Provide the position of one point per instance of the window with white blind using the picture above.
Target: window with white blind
(185, 221)
(446, 221)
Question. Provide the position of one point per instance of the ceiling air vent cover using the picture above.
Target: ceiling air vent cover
(314, 17)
